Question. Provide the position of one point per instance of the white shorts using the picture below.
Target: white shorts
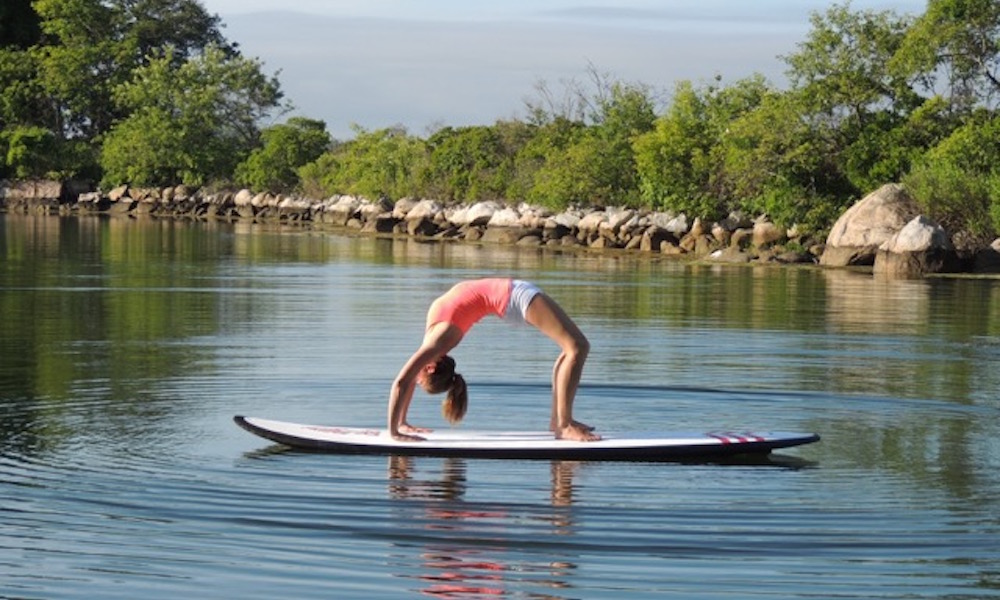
(521, 295)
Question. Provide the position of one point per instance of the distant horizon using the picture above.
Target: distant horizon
(387, 63)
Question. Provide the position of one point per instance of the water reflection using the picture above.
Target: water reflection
(858, 303)
(455, 559)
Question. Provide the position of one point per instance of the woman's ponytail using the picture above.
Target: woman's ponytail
(454, 406)
(444, 378)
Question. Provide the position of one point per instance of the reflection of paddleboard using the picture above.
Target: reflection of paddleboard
(516, 444)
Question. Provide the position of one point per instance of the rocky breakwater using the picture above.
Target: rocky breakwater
(884, 230)
(736, 239)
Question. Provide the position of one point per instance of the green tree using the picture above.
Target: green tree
(467, 163)
(849, 96)
(958, 181)
(583, 150)
(60, 61)
(192, 123)
(274, 165)
(957, 41)
(377, 163)
(78, 65)
(150, 26)
(773, 164)
(679, 161)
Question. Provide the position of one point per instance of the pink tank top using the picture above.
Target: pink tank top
(469, 301)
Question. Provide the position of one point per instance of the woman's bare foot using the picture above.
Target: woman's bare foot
(583, 426)
(576, 433)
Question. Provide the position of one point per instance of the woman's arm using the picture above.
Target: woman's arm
(402, 392)
(437, 342)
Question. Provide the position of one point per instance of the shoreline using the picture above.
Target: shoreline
(736, 239)
(902, 245)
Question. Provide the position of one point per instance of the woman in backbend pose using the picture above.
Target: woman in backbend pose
(448, 320)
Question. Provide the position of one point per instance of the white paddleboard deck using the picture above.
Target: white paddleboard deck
(525, 444)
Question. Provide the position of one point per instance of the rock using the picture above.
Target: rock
(654, 237)
(570, 220)
(117, 193)
(721, 234)
(505, 217)
(533, 238)
(766, 233)
(602, 242)
(425, 209)
(369, 210)
(479, 213)
(858, 233)
(592, 221)
(730, 255)
(697, 228)
(741, 238)
(424, 227)
(794, 257)
(242, 198)
(382, 223)
(294, 206)
(670, 249)
(501, 235)
(473, 234)
(617, 219)
(39, 191)
(921, 246)
(403, 206)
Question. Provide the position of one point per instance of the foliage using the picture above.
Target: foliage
(274, 164)
(957, 41)
(374, 164)
(957, 180)
(468, 163)
(30, 151)
(573, 163)
(192, 123)
(71, 55)
(677, 161)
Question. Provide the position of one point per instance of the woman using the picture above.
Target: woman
(448, 320)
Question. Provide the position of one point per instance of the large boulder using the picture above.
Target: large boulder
(921, 246)
(857, 235)
(477, 214)
(424, 210)
(505, 217)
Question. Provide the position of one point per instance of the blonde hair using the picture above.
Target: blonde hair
(444, 378)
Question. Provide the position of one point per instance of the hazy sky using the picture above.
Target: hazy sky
(426, 63)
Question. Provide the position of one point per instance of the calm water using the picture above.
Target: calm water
(127, 346)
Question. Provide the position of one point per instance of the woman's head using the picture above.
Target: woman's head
(440, 377)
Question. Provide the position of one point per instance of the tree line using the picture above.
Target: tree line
(150, 93)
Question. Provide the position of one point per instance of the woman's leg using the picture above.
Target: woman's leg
(550, 319)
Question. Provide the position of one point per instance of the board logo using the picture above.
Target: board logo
(344, 430)
(733, 437)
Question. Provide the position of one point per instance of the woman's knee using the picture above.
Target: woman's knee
(578, 349)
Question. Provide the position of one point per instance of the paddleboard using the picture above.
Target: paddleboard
(525, 444)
